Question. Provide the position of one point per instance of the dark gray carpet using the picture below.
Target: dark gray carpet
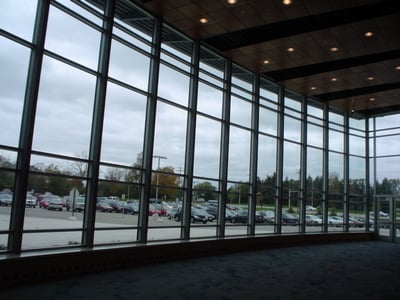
(357, 270)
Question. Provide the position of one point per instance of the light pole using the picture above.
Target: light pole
(159, 157)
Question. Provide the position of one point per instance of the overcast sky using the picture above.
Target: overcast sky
(66, 99)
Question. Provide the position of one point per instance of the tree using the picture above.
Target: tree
(6, 178)
(206, 190)
(168, 183)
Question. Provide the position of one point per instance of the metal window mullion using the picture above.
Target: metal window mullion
(149, 133)
(254, 155)
(346, 196)
(279, 161)
(303, 165)
(325, 169)
(375, 200)
(223, 166)
(27, 126)
(367, 191)
(190, 141)
(97, 125)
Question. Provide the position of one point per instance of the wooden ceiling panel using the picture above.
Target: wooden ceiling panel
(252, 31)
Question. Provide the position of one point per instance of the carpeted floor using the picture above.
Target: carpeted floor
(357, 270)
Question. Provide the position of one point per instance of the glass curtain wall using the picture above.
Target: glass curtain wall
(131, 132)
(384, 179)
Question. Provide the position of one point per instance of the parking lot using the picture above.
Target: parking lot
(160, 228)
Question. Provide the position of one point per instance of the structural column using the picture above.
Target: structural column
(149, 132)
(27, 125)
(190, 142)
(97, 125)
(223, 166)
(279, 161)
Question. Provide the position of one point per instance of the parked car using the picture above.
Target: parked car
(195, 216)
(31, 201)
(356, 222)
(44, 202)
(79, 204)
(171, 212)
(241, 217)
(117, 205)
(54, 203)
(130, 208)
(335, 221)
(268, 215)
(229, 214)
(104, 207)
(310, 208)
(313, 220)
(289, 219)
(5, 199)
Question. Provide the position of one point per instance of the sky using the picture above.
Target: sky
(66, 100)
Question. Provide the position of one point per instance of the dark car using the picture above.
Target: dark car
(104, 207)
(5, 199)
(289, 219)
(195, 216)
(130, 208)
(242, 217)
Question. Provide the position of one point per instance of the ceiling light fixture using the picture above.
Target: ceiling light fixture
(266, 61)
(334, 49)
(368, 34)
(313, 88)
(398, 68)
(370, 78)
(203, 20)
(287, 2)
(333, 79)
(231, 1)
(372, 99)
(291, 49)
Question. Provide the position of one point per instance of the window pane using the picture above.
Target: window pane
(207, 149)
(129, 66)
(64, 111)
(241, 112)
(336, 172)
(173, 85)
(123, 129)
(62, 38)
(315, 135)
(170, 134)
(267, 121)
(239, 154)
(209, 100)
(17, 17)
(357, 145)
(292, 129)
(336, 140)
(12, 87)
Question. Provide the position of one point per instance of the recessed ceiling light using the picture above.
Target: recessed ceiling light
(334, 49)
(291, 49)
(203, 20)
(231, 1)
(313, 88)
(266, 61)
(370, 78)
(372, 99)
(287, 2)
(334, 79)
(398, 68)
(368, 34)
